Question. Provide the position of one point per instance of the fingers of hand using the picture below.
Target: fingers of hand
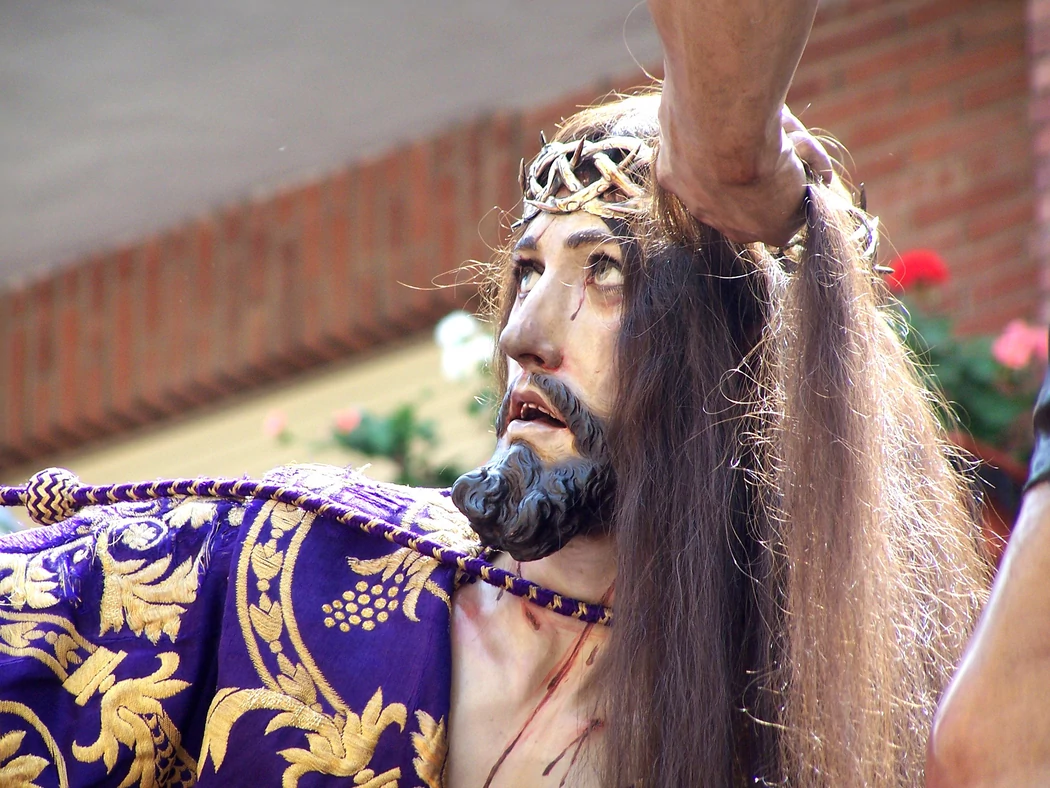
(806, 146)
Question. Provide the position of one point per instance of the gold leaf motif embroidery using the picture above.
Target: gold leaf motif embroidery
(21, 771)
(405, 574)
(266, 560)
(66, 648)
(133, 592)
(339, 746)
(20, 633)
(29, 635)
(133, 716)
(194, 512)
(266, 619)
(29, 582)
(431, 749)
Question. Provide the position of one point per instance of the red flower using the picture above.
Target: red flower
(917, 267)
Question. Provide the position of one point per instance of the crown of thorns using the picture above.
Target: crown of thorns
(551, 184)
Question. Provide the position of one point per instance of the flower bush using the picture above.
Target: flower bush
(989, 382)
(401, 435)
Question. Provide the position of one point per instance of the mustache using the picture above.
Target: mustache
(588, 430)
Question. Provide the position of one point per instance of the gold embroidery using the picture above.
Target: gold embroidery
(147, 596)
(405, 574)
(435, 514)
(341, 745)
(20, 771)
(431, 749)
(95, 673)
(194, 512)
(338, 741)
(43, 637)
(133, 592)
(29, 583)
(132, 715)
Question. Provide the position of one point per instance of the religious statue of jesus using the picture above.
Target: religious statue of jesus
(720, 543)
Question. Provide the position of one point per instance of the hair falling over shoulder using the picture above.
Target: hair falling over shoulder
(799, 565)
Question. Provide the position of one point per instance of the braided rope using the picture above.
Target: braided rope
(56, 490)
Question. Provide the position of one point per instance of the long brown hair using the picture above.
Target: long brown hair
(798, 564)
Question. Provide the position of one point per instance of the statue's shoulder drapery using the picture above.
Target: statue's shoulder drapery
(193, 640)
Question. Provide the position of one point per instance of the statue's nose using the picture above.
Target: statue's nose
(532, 336)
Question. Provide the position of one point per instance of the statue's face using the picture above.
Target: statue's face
(564, 323)
(550, 478)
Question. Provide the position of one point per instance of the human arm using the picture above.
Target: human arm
(993, 725)
(729, 148)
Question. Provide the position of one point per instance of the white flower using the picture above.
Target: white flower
(455, 328)
(465, 345)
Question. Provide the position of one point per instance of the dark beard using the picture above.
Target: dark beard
(518, 503)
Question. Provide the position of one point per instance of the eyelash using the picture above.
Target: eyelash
(522, 267)
(598, 265)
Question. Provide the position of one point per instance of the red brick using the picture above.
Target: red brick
(848, 9)
(808, 84)
(179, 292)
(954, 70)
(312, 287)
(342, 255)
(363, 227)
(975, 197)
(121, 330)
(836, 111)
(1010, 86)
(1004, 19)
(968, 132)
(937, 11)
(68, 306)
(13, 315)
(1001, 216)
(825, 43)
(899, 54)
(204, 340)
(903, 123)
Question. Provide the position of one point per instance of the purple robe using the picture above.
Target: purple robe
(225, 643)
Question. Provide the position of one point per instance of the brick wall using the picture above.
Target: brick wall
(931, 99)
(930, 96)
(1039, 82)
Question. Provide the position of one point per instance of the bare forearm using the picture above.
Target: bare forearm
(993, 727)
(728, 66)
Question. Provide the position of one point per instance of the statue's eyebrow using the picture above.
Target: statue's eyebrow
(527, 243)
(592, 235)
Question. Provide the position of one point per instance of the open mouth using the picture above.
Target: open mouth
(528, 407)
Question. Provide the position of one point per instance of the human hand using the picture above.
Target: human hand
(741, 203)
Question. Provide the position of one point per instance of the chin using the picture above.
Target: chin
(530, 507)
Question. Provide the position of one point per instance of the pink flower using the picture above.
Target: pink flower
(347, 419)
(917, 267)
(275, 424)
(1019, 344)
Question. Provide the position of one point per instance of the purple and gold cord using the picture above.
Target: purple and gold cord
(55, 494)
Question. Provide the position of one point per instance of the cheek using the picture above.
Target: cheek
(593, 362)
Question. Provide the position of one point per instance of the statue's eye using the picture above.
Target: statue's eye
(528, 275)
(606, 272)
